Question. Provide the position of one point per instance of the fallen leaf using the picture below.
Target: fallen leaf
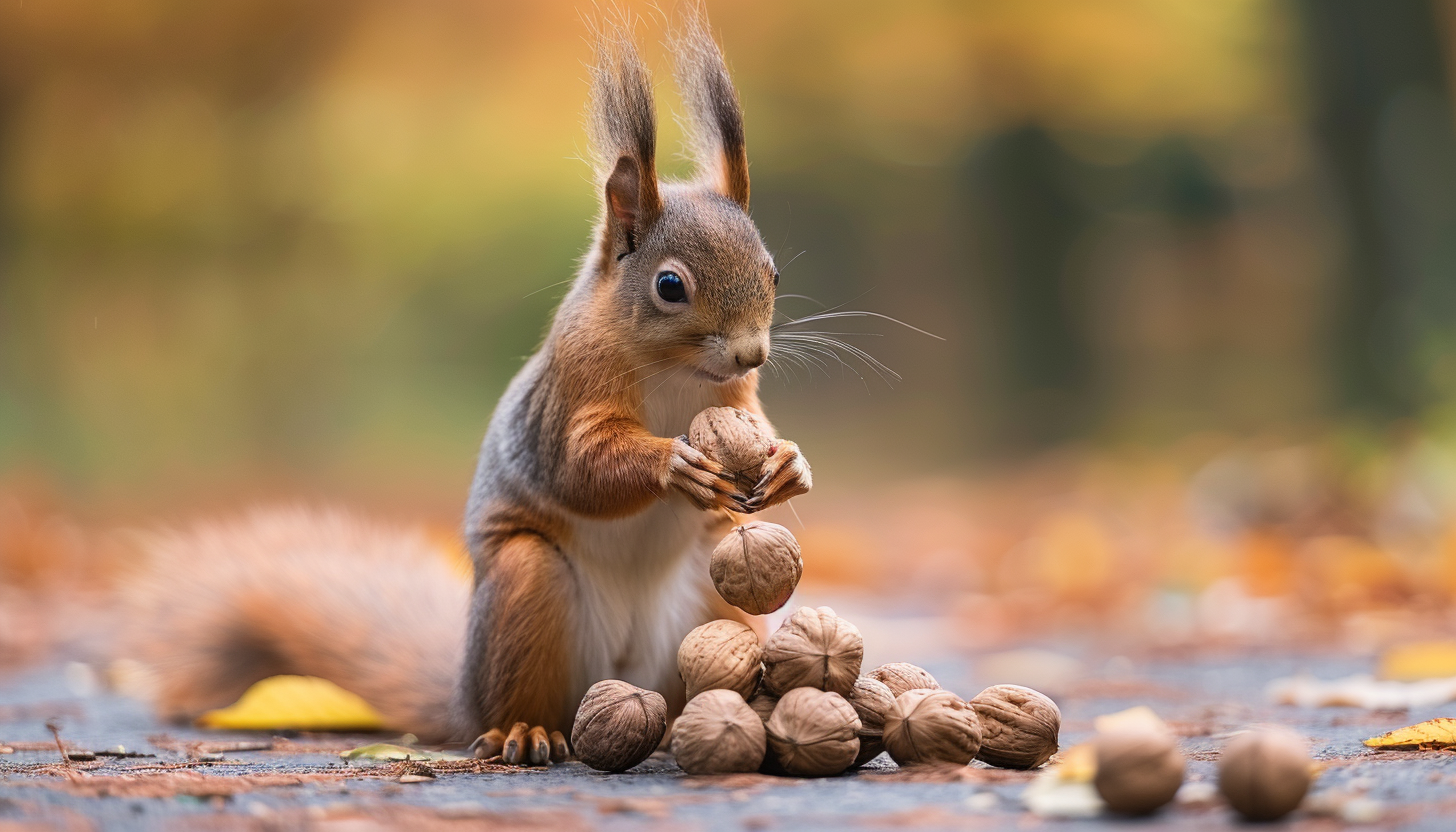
(1423, 660)
(1140, 718)
(390, 751)
(1362, 691)
(1431, 735)
(303, 703)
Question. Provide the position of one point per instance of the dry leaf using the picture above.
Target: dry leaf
(302, 703)
(1431, 735)
(1139, 718)
(1423, 660)
(1362, 691)
(389, 751)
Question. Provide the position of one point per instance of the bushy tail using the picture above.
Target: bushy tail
(375, 610)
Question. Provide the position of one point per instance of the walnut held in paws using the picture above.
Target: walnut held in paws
(813, 733)
(720, 654)
(1019, 726)
(756, 567)
(618, 725)
(932, 726)
(815, 649)
(903, 676)
(1139, 770)
(1264, 773)
(718, 734)
(735, 439)
(871, 700)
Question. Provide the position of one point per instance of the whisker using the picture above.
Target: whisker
(824, 316)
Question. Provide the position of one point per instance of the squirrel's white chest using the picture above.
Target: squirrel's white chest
(672, 400)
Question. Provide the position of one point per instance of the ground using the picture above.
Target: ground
(197, 779)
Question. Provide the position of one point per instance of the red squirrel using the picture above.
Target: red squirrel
(590, 519)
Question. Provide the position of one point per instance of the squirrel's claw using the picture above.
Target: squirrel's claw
(786, 474)
(701, 479)
(525, 745)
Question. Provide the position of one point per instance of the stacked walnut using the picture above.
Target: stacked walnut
(798, 704)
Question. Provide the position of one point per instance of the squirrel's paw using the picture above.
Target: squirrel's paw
(524, 746)
(701, 479)
(786, 474)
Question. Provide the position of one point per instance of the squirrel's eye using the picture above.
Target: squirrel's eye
(671, 288)
(776, 277)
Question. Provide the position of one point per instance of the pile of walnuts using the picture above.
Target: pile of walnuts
(798, 704)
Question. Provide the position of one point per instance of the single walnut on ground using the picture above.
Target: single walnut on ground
(813, 733)
(813, 649)
(736, 439)
(871, 700)
(756, 567)
(932, 726)
(718, 734)
(1019, 726)
(1264, 773)
(903, 676)
(618, 725)
(720, 654)
(1139, 770)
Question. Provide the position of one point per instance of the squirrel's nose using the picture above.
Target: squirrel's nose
(750, 357)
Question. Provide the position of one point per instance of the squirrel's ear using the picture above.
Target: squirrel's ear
(714, 118)
(623, 126)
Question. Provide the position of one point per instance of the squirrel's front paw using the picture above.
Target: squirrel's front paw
(786, 474)
(524, 745)
(701, 479)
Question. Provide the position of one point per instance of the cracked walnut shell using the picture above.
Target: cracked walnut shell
(720, 654)
(756, 567)
(932, 726)
(1019, 726)
(736, 439)
(815, 649)
(618, 725)
(813, 733)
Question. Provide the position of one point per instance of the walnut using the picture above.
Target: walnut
(1019, 726)
(1264, 773)
(618, 725)
(756, 567)
(720, 654)
(736, 439)
(816, 649)
(1138, 769)
(763, 704)
(718, 734)
(871, 700)
(903, 676)
(813, 733)
(932, 726)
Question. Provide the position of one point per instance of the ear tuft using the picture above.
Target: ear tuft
(622, 123)
(714, 118)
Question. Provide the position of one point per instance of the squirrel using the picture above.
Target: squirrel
(588, 524)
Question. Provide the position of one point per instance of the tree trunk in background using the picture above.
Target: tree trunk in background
(1382, 117)
(1026, 217)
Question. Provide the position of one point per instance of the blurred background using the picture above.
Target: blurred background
(1194, 265)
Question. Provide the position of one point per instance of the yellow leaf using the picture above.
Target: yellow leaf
(1077, 764)
(1430, 735)
(1422, 660)
(1140, 718)
(303, 703)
